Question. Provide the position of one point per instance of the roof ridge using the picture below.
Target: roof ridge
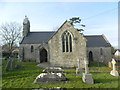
(105, 38)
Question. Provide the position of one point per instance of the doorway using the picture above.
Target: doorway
(90, 56)
(43, 55)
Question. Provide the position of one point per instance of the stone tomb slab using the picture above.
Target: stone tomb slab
(51, 75)
(53, 70)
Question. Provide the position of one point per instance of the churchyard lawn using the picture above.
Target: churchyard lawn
(25, 76)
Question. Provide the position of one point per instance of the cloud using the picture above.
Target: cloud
(110, 30)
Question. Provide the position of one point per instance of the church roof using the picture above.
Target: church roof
(40, 37)
(97, 41)
(37, 37)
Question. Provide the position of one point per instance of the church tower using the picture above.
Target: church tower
(26, 26)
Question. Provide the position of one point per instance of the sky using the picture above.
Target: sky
(99, 17)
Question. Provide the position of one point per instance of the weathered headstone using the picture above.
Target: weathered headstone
(114, 72)
(12, 64)
(8, 65)
(79, 69)
(17, 66)
(109, 64)
(87, 77)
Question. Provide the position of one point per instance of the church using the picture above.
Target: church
(63, 47)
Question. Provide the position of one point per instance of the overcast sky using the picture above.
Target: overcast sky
(99, 17)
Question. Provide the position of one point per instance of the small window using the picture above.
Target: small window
(32, 48)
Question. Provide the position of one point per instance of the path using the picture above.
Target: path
(44, 65)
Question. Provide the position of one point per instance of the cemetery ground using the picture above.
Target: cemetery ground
(25, 76)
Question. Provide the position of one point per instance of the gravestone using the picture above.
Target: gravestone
(18, 66)
(87, 77)
(79, 69)
(12, 64)
(114, 72)
(51, 74)
(8, 65)
(109, 64)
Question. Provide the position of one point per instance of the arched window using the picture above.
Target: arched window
(66, 42)
(90, 56)
(32, 48)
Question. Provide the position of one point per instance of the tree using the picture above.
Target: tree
(76, 21)
(11, 34)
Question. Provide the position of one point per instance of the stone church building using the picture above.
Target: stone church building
(63, 47)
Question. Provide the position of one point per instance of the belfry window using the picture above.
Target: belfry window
(66, 42)
(32, 48)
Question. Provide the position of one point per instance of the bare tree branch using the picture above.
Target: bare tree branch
(10, 33)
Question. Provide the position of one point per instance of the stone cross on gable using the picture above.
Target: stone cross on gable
(26, 17)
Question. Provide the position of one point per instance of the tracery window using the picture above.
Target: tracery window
(66, 42)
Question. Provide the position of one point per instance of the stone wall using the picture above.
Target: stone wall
(67, 59)
(26, 50)
(35, 55)
(42, 46)
(106, 54)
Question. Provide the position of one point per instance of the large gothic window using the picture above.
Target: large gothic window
(66, 42)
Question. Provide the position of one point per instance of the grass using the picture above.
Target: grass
(24, 78)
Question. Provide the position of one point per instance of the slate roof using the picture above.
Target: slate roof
(37, 37)
(97, 41)
(40, 37)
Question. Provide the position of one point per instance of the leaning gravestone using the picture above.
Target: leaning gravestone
(79, 69)
(12, 64)
(8, 65)
(114, 72)
(87, 77)
(51, 74)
